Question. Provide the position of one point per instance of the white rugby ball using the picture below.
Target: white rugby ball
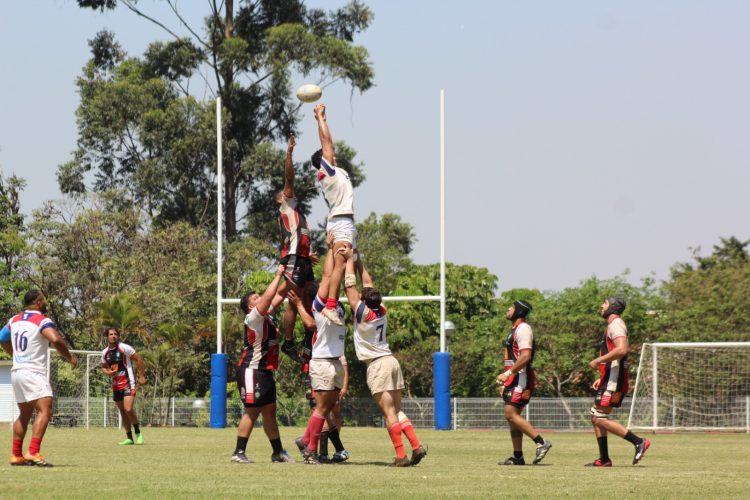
(309, 93)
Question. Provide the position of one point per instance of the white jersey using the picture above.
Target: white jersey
(369, 332)
(328, 339)
(337, 189)
(29, 345)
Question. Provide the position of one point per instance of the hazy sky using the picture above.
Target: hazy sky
(583, 137)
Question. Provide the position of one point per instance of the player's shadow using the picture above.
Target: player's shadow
(365, 463)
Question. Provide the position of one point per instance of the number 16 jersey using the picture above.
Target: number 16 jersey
(29, 345)
(369, 332)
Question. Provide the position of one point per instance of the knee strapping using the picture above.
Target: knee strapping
(349, 280)
(598, 414)
(402, 416)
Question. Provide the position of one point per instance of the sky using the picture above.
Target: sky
(583, 138)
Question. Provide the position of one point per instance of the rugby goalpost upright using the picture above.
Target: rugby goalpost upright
(441, 360)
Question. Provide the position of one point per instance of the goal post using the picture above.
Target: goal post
(697, 386)
(80, 396)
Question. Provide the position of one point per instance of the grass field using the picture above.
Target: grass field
(195, 463)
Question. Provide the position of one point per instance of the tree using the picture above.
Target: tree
(140, 127)
(385, 245)
(12, 244)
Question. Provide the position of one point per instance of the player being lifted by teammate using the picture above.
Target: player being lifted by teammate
(255, 380)
(384, 377)
(117, 363)
(28, 334)
(612, 384)
(518, 383)
(326, 371)
(339, 195)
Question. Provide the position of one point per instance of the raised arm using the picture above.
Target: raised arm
(366, 279)
(328, 264)
(265, 300)
(326, 141)
(350, 283)
(304, 314)
(289, 169)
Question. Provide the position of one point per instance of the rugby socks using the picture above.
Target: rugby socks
(315, 426)
(539, 440)
(408, 430)
(241, 444)
(335, 437)
(276, 445)
(398, 444)
(632, 438)
(35, 445)
(323, 447)
(137, 428)
(17, 447)
(331, 303)
(130, 435)
(603, 449)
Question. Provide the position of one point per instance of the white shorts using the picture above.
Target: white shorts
(326, 374)
(29, 385)
(343, 229)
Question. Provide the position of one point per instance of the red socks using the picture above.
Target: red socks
(314, 427)
(17, 447)
(35, 446)
(408, 431)
(398, 444)
(331, 303)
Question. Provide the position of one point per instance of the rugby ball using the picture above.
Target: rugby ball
(309, 93)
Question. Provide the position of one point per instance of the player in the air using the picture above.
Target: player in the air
(325, 369)
(117, 363)
(339, 196)
(384, 377)
(255, 378)
(333, 421)
(295, 250)
(612, 384)
(517, 383)
(26, 337)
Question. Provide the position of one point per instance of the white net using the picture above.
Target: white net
(700, 386)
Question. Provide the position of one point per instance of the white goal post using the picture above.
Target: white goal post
(696, 386)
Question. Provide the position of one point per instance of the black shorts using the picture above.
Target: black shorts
(299, 270)
(120, 395)
(257, 387)
(516, 398)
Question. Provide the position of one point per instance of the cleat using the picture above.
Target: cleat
(513, 461)
(139, 439)
(37, 460)
(340, 456)
(325, 459)
(290, 350)
(401, 462)
(14, 460)
(640, 450)
(126, 442)
(282, 456)
(311, 458)
(240, 458)
(541, 452)
(332, 315)
(418, 454)
(598, 463)
(300, 442)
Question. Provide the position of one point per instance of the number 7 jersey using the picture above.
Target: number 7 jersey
(369, 332)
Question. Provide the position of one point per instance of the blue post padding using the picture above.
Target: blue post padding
(442, 386)
(218, 391)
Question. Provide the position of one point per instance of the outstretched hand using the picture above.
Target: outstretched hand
(329, 239)
(292, 143)
(293, 297)
(320, 111)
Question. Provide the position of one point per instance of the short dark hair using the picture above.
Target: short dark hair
(106, 331)
(31, 297)
(245, 302)
(315, 158)
(372, 297)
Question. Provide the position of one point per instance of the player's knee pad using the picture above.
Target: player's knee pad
(595, 413)
(350, 280)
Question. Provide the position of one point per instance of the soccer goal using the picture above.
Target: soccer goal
(692, 386)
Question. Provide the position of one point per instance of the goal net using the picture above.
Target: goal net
(81, 396)
(692, 386)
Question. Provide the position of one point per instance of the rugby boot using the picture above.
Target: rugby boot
(418, 454)
(640, 450)
(325, 459)
(37, 459)
(240, 458)
(282, 456)
(333, 316)
(300, 442)
(14, 460)
(541, 452)
(340, 456)
(401, 462)
(513, 461)
(139, 438)
(599, 463)
(126, 442)
(311, 458)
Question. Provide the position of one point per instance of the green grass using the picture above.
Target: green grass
(195, 463)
